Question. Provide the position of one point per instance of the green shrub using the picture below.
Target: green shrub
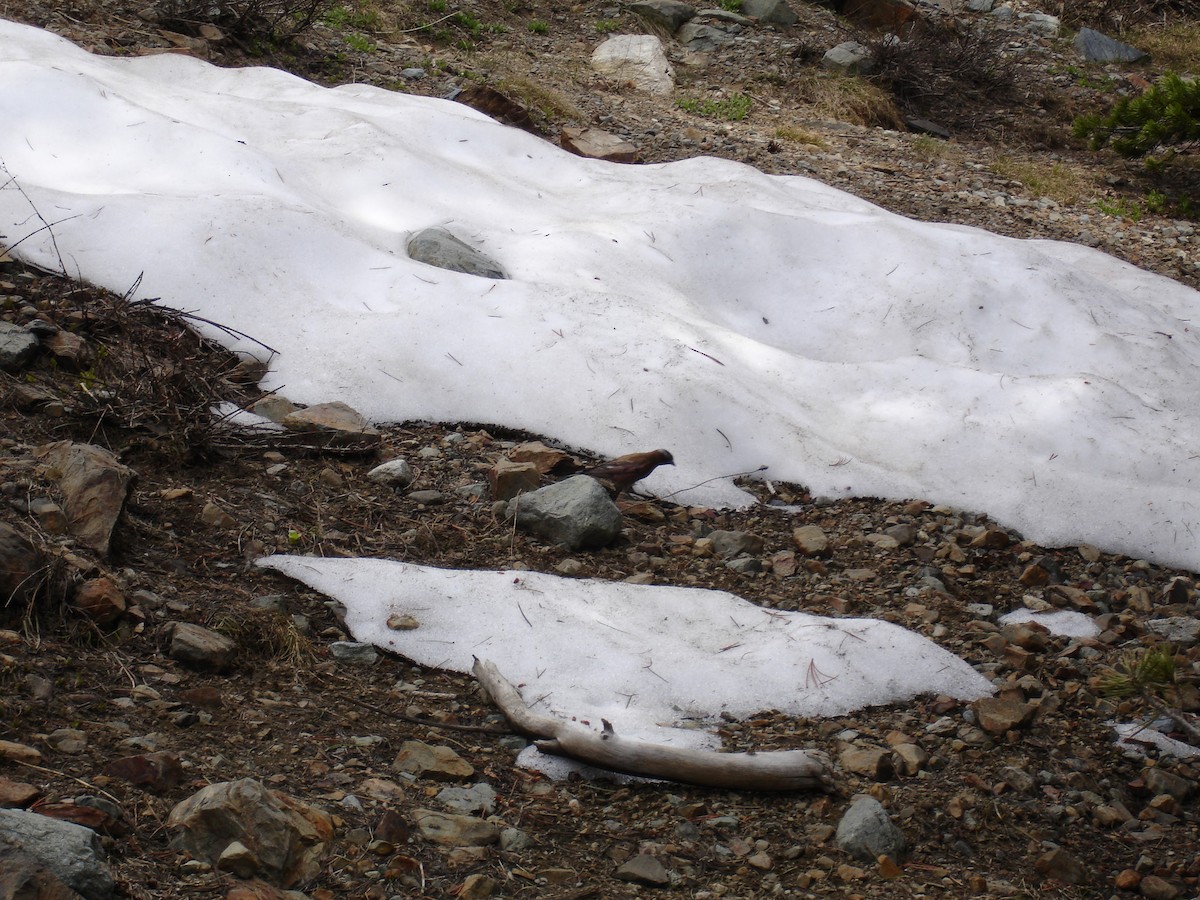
(1165, 116)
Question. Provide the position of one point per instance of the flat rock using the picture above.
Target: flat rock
(418, 758)
(730, 544)
(478, 798)
(546, 459)
(72, 853)
(157, 772)
(638, 59)
(94, 485)
(776, 12)
(1182, 631)
(669, 14)
(453, 830)
(438, 247)
(998, 715)
(597, 144)
(811, 540)
(1096, 47)
(873, 762)
(644, 869)
(18, 347)
(201, 648)
(354, 653)
(17, 794)
(332, 424)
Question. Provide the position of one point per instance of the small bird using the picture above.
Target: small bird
(623, 471)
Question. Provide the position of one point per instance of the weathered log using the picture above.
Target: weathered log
(776, 770)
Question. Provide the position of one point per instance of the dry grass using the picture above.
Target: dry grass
(795, 135)
(931, 149)
(271, 634)
(552, 104)
(846, 98)
(1175, 47)
(1060, 182)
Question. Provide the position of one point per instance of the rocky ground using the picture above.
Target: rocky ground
(1023, 796)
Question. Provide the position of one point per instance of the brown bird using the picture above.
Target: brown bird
(623, 471)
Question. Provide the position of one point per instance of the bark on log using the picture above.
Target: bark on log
(776, 770)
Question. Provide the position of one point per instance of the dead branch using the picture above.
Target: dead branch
(778, 770)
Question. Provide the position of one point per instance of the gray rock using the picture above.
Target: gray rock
(644, 869)
(512, 839)
(438, 247)
(724, 15)
(866, 832)
(747, 565)
(670, 14)
(353, 653)
(1160, 782)
(703, 38)
(729, 544)
(478, 798)
(72, 853)
(849, 57)
(455, 831)
(980, 6)
(1041, 24)
(576, 513)
(23, 877)
(200, 648)
(1096, 47)
(427, 498)
(18, 347)
(777, 12)
(636, 58)
(412, 73)
(1180, 630)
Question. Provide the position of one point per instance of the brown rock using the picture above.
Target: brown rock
(1061, 866)
(453, 830)
(476, 887)
(69, 349)
(596, 144)
(1034, 576)
(1128, 879)
(811, 540)
(200, 648)
(154, 772)
(783, 563)
(1004, 713)
(547, 459)
(286, 836)
(100, 600)
(507, 478)
(20, 572)
(17, 794)
(94, 487)
(992, 539)
(1155, 888)
(213, 515)
(442, 763)
(331, 424)
(257, 890)
(644, 869)
(873, 762)
(20, 752)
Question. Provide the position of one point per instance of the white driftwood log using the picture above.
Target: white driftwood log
(776, 770)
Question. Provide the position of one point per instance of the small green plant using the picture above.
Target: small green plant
(607, 26)
(437, 6)
(1166, 115)
(1149, 671)
(537, 26)
(468, 22)
(731, 5)
(361, 43)
(733, 108)
(1121, 208)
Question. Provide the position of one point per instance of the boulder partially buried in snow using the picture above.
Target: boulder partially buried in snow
(438, 247)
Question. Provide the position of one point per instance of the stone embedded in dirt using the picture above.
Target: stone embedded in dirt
(783, 563)
(67, 740)
(811, 540)
(1160, 782)
(100, 600)
(701, 38)
(333, 424)
(1182, 631)
(438, 247)
(427, 498)
(547, 459)
(20, 752)
(1018, 779)
(395, 473)
(731, 544)
(1001, 714)
(72, 853)
(594, 143)
(637, 59)
(776, 12)
(476, 887)
(354, 653)
(506, 478)
(1153, 887)
(479, 798)
(288, 837)
(514, 839)
(1061, 866)
(255, 889)
(866, 832)
(873, 762)
(18, 347)
(17, 794)
(273, 408)
(69, 350)
(200, 648)
(154, 772)
(910, 758)
(442, 763)
(21, 565)
(455, 831)
(849, 58)
(94, 485)
(213, 515)
(49, 514)
(576, 513)
(644, 869)
(669, 14)
(239, 860)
